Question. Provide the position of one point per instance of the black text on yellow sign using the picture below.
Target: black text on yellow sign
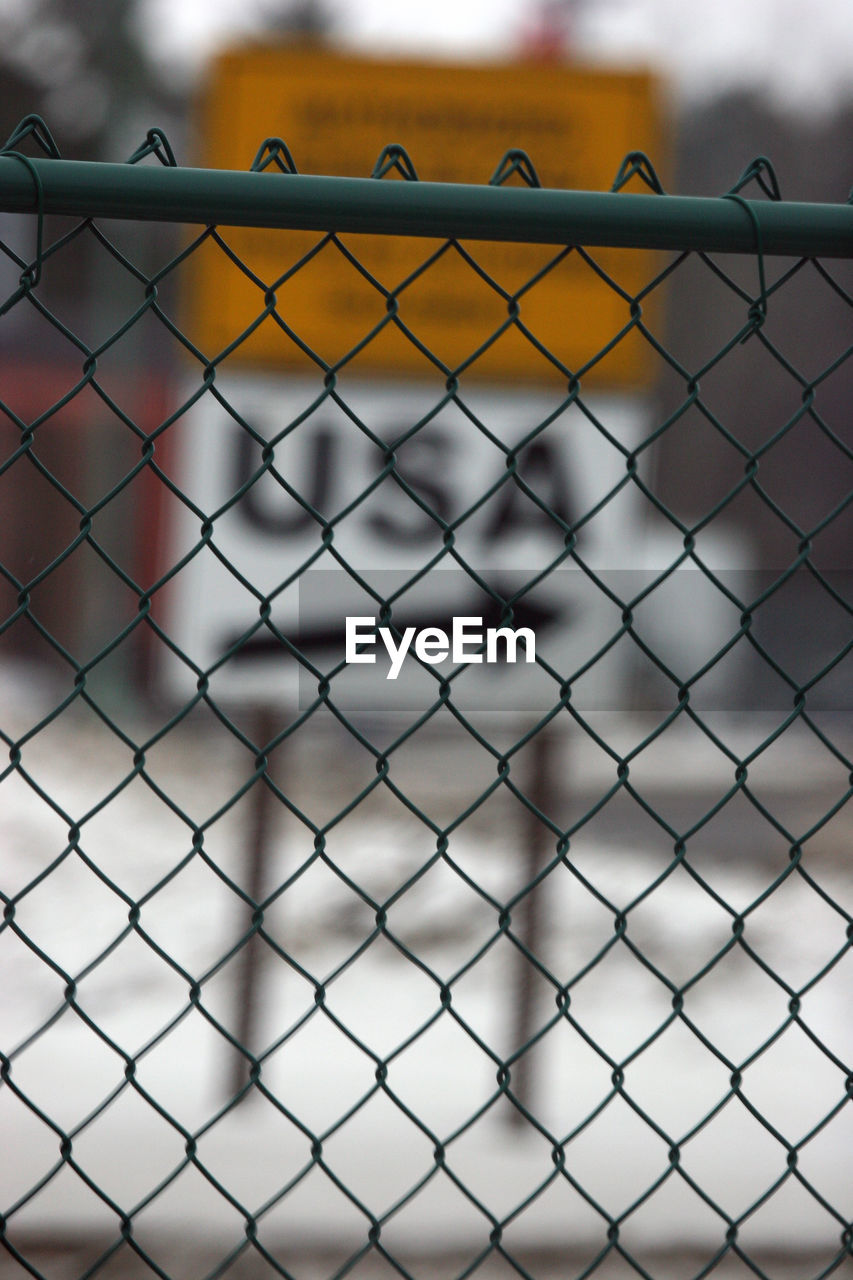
(473, 307)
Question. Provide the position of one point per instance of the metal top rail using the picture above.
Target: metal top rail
(441, 210)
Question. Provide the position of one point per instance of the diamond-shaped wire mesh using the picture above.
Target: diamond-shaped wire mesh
(541, 971)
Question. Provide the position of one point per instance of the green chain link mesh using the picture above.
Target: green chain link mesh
(558, 989)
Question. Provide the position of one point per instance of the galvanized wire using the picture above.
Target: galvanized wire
(557, 826)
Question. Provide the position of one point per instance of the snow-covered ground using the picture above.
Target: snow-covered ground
(431, 1002)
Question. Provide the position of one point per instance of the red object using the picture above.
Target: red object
(548, 35)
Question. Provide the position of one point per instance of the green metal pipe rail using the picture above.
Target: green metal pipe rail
(434, 209)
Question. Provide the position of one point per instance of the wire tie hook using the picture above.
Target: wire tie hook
(31, 275)
(758, 308)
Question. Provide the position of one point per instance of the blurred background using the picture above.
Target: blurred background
(774, 74)
(735, 80)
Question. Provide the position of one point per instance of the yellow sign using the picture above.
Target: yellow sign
(473, 306)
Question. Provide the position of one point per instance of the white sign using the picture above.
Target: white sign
(306, 507)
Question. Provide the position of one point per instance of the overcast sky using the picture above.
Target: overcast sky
(801, 51)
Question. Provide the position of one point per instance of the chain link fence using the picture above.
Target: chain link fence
(536, 967)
